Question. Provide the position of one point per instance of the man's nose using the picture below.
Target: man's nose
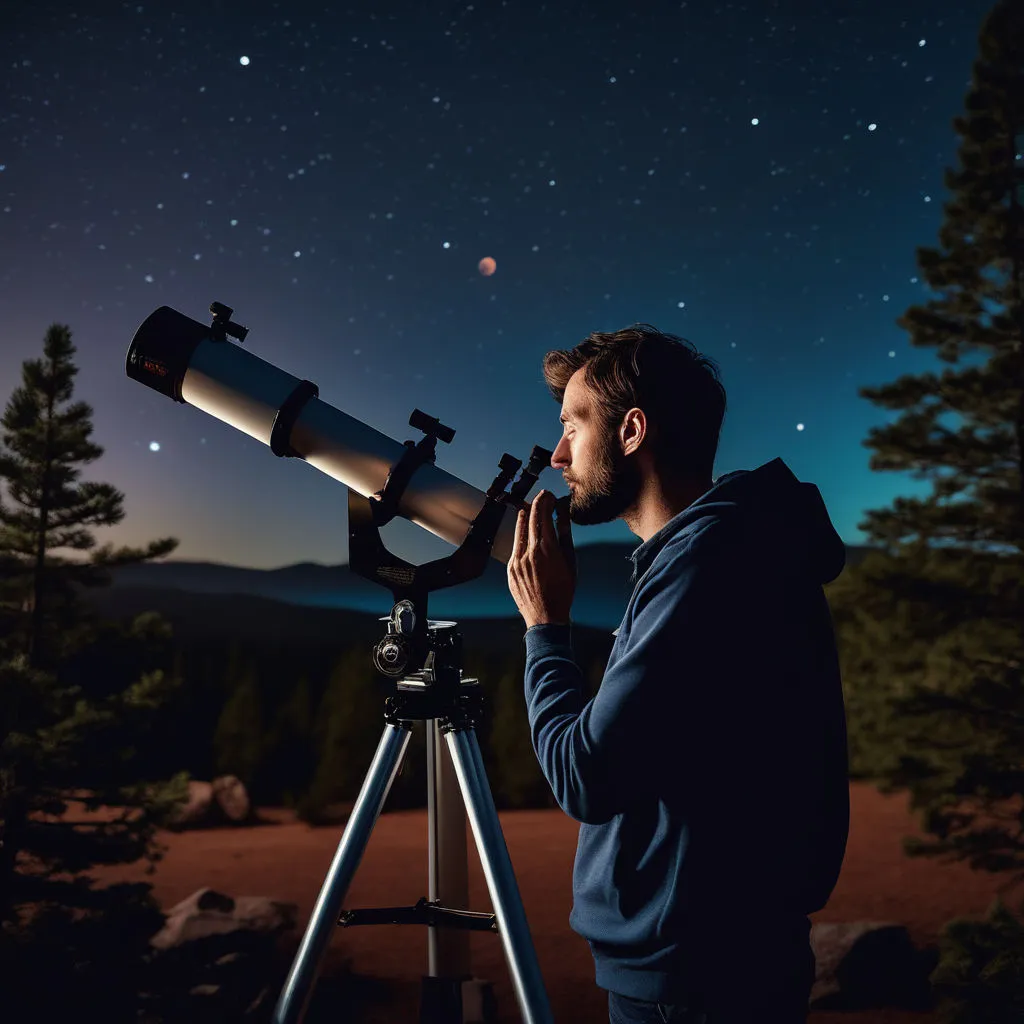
(558, 456)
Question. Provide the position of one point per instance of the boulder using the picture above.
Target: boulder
(207, 913)
(221, 802)
(218, 959)
(866, 964)
(197, 808)
(231, 796)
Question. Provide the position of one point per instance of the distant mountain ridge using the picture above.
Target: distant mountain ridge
(603, 588)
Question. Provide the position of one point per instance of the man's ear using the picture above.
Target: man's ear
(633, 431)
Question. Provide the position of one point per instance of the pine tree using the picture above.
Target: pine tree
(238, 737)
(346, 731)
(518, 780)
(45, 441)
(978, 977)
(289, 761)
(69, 742)
(932, 629)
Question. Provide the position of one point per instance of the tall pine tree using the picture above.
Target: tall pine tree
(71, 795)
(239, 736)
(45, 440)
(288, 762)
(933, 628)
(346, 730)
(515, 770)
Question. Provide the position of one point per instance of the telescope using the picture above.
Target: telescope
(419, 659)
(193, 363)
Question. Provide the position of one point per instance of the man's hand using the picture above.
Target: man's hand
(542, 566)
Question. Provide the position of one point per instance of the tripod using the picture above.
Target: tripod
(424, 658)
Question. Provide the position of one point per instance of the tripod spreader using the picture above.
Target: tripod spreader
(424, 911)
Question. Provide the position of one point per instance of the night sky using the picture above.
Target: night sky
(752, 177)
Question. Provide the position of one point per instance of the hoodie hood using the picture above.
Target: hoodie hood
(772, 510)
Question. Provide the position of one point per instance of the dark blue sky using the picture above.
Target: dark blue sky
(753, 177)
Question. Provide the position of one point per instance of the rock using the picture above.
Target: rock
(207, 913)
(867, 964)
(218, 959)
(231, 796)
(196, 809)
(225, 800)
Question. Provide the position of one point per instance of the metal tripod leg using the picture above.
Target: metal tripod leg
(298, 987)
(501, 880)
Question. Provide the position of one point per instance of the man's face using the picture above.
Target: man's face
(603, 482)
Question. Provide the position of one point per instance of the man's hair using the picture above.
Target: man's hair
(678, 389)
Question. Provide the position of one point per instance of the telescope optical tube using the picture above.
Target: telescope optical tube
(183, 359)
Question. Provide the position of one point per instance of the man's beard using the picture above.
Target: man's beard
(612, 487)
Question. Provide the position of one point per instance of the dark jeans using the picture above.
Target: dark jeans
(626, 1010)
(783, 1000)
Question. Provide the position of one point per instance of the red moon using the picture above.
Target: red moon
(487, 266)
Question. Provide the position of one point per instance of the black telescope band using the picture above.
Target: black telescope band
(286, 417)
(160, 354)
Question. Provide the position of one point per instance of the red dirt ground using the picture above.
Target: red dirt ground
(287, 860)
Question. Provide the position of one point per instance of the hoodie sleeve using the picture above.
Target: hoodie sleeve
(598, 754)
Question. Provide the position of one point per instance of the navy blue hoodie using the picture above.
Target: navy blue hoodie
(709, 772)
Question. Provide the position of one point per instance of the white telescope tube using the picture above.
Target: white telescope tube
(182, 358)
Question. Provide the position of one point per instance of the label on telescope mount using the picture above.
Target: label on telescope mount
(396, 574)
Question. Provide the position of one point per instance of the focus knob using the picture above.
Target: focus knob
(391, 656)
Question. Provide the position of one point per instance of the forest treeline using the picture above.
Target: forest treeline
(297, 718)
(298, 722)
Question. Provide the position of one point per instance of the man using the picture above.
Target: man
(709, 772)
